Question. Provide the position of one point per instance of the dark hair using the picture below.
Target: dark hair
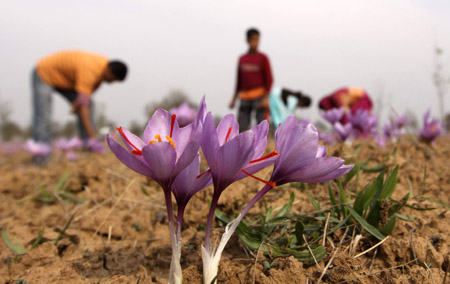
(118, 69)
(305, 101)
(251, 32)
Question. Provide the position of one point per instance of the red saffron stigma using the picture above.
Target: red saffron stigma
(171, 124)
(228, 134)
(136, 151)
(274, 153)
(207, 171)
(271, 183)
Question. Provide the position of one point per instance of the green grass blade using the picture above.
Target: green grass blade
(389, 226)
(15, 246)
(60, 185)
(389, 185)
(314, 202)
(369, 228)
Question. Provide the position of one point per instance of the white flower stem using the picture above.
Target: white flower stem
(175, 274)
(211, 256)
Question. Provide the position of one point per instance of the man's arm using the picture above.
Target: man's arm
(81, 107)
(268, 82)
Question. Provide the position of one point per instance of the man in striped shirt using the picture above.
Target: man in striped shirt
(75, 75)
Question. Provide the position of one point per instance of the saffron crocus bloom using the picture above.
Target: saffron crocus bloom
(164, 151)
(343, 131)
(71, 156)
(362, 121)
(37, 148)
(327, 138)
(333, 115)
(65, 144)
(401, 121)
(432, 128)
(300, 159)
(231, 156)
(391, 130)
(185, 114)
(95, 146)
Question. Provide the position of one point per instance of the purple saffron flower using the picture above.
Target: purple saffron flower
(300, 159)
(401, 121)
(187, 183)
(381, 139)
(333, 115)
(432, 128)
(232, 156)
(72, 156)
(37, 148)
(391, 130)
(327, 138)
(185, 114)
(10, 148)
(95, 146)
(65, 144)
(163, 153)
(343, 131)
(362, 121)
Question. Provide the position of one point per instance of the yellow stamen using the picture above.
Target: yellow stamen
(157, 136)
(171, 142)
(152, 141)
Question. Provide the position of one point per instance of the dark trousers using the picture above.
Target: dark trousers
(246, 108)
(42, 109)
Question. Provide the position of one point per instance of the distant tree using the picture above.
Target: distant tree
(440, 82)
(136, 128)
(447, 122)
(11, 131)
(5, 114)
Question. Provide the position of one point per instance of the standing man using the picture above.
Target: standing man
(254, 81)
(75, 75)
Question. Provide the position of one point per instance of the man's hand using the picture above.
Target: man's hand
(81, 107)
(264, 104)
(232, 103)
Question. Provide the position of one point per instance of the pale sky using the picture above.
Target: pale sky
(386, 47)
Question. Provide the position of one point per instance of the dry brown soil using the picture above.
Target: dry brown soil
(119, 234)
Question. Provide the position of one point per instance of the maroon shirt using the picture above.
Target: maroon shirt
(253, 72)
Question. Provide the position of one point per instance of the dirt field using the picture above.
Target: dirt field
(118, 232)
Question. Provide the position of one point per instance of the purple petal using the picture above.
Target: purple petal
(133, 139)
(209, 142)
(261, 130)
(130, 160)
(232, 157)
(186, 184)
(321, 170)
(159, 124)
(161, 158)
(321, 151)
(255, 167)
(229, 121)
(298, 149)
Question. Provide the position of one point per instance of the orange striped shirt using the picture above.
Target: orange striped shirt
(73, 70)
